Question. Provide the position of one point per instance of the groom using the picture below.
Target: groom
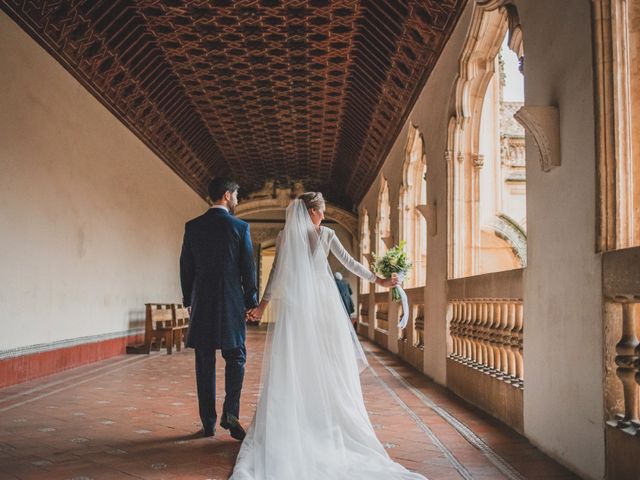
(218, 277)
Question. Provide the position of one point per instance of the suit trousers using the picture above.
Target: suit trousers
(206, 381)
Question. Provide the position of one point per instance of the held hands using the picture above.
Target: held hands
(255, 314)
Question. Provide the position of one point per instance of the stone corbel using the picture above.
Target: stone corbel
(543, 124)
(430, 214)
(388, 241)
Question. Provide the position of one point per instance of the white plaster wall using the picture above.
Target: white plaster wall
(563, 409)
(562, 290)
(91, 221)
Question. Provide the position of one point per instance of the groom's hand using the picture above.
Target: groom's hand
(250, 315)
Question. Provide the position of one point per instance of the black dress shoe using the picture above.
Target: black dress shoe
(208, 432)
(231, 423)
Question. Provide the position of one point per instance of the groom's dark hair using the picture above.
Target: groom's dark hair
(219, 185)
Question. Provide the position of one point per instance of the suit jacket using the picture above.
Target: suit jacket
(218, 278)
(345, 293)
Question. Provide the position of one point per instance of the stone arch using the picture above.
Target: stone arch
(365, 246)
(491, 20)
(383, 234)
(413, 195)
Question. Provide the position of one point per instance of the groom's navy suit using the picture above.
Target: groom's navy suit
(218, 277)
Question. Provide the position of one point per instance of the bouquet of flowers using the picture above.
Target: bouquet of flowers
(395, 262)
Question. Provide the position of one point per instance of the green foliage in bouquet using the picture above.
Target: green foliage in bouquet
(394, 261)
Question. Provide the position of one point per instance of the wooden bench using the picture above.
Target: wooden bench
(165, 323)
(180, 325)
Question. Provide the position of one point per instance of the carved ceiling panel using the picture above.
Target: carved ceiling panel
(311, 90)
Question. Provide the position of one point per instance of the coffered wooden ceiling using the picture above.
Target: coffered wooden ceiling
(314, 90)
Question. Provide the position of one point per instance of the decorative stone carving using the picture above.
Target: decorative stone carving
(543, 123)
(260, 234)
(281, 199)
(509, 230)
(430, 214)
(265, 192)
(478, 160)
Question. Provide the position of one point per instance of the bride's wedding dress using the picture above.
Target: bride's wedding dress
(311, 422)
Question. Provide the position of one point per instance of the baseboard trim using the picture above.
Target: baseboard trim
(27, 363)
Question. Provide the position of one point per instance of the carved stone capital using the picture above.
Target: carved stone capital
(448, 157)
(478, 161)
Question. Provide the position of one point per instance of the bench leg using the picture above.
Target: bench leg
(168, 340)
(178, 339)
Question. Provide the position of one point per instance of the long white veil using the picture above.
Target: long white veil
(301, 269)
(311, 416)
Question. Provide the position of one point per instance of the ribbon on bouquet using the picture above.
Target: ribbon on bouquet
(405, 304)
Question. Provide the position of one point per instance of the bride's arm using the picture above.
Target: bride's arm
(256, 314)
(353, 265)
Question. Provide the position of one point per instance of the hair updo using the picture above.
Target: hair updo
(313, 200)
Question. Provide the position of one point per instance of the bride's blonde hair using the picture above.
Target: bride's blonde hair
(313, 200)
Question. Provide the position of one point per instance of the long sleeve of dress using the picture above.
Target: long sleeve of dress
(348, 261)
(267, 290)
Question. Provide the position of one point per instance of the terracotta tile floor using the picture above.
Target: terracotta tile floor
(135, 417)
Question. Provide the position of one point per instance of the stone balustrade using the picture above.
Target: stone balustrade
(382, 300)
(487, 336)
(621, 306)
(363, 309)
(485, 364)
(414, 333)
(621, 289)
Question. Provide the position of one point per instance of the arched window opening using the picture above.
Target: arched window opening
(485, 150)
(383, 224)
(502, 202)
(365, 247)
(414, 194)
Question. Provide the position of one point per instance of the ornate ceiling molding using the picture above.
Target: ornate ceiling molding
(317, 90)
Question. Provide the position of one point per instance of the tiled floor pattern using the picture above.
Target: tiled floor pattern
(135, 417)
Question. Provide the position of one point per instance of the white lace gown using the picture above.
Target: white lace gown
(311, 422)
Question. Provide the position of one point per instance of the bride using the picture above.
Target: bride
(311, 422)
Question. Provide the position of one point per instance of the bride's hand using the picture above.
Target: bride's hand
(388, 282)
(257, 314)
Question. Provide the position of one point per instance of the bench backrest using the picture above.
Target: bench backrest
(159, 315)
(180, 315)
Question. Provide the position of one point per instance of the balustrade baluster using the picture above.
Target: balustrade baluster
(504, 357)
(627, 359)
(471, 332)
(495, 340)
(482, 334)
(466, 354)
(491, 364)
(516, 344)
